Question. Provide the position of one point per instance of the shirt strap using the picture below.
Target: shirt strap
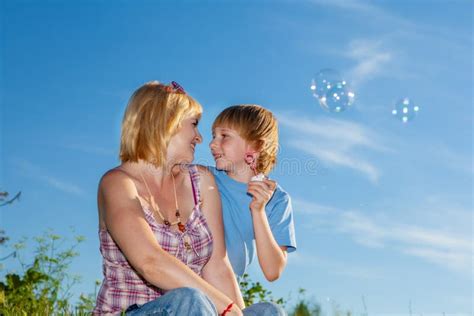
(194, 174)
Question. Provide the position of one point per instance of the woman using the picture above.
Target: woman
(160, 221)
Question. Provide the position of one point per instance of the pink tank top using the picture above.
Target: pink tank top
(122, 286)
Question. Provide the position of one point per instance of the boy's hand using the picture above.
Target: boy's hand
(262, 192)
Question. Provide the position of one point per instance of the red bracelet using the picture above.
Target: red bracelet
(228, 308)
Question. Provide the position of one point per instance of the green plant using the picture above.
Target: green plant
(44, 286)
(254, 292)
(87, 301)
(304, 307)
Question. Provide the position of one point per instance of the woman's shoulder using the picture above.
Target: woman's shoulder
(218, 176)
(116, 179)
(204, 172)
(117, 186)
(113, 174)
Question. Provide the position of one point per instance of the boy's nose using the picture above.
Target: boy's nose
(212, 144)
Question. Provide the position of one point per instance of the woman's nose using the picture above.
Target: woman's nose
(199, 137)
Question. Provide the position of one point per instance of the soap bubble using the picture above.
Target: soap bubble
(332, 91)
(324, 81)
(405, 110)
(338, 98)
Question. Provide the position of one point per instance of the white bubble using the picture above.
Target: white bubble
(340, 98)
(332, 91)
(324, 81)
(405, 110)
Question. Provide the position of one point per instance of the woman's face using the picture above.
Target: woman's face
(182, 144)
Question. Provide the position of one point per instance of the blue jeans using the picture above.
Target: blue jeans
(181, 301)
(188, 301)
(264, 309)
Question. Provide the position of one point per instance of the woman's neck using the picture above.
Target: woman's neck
(159, 176)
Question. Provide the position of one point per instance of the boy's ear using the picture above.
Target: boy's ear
(251, 159)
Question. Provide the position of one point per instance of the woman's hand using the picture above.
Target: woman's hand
(262, 192)
(235, 311)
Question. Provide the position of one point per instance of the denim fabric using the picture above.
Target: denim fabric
(192, 302)
(264, 309)
(181, 301)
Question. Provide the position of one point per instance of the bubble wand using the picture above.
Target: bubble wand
(251, 162)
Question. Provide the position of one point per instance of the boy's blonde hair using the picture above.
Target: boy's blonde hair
(153, 115)
(257, 126)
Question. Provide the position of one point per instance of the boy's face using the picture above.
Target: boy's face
(228, 149)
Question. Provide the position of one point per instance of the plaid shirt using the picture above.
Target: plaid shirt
(122, 286)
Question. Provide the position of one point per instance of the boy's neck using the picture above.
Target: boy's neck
(243, 177)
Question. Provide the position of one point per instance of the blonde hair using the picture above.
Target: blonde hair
(154, 113)
(257, 126)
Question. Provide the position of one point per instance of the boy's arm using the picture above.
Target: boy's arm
(271, 257)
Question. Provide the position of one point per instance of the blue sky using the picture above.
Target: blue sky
(383, 209)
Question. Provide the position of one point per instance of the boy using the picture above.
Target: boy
(244, 145)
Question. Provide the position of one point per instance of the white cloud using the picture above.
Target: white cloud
(450, 250)
(384, 55)
(371, 60)
(310, 208)
(302, 259)
(90, 149)
(454, 160)
(339, 158)
(430, 244)
(368, 12)
(363, 230)
(62, 185)
(344, 134)
(31, 170)
(452, 259)
(351, 5)
(424, 237)
(336, 143)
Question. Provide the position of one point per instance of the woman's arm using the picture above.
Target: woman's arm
(122, 214)
(271, 257)
(218, 270)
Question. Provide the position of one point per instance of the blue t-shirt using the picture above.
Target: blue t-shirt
(238, 224)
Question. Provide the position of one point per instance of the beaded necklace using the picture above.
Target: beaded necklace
(156, 208)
